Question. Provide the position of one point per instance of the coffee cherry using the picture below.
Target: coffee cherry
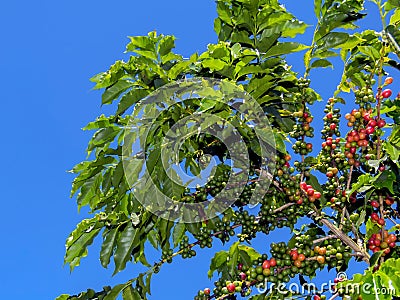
(266, 264)
(387, 93)
(272, 262)
(242, 276)
(375, 204)
(374, 217)
(388, 80)
(207, 291)
(231, 287)
(381, 123)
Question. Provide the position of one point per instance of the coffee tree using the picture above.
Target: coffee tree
(339, 196)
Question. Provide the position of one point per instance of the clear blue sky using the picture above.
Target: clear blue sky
(49, 50)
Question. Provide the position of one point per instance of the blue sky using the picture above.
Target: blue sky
(49, 51)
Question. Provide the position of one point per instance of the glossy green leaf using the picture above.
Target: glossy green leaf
(107, 248)
(395, 18)
(115, 90)
(321, 63)
(284, 48)
(214, 64)
(103, 136)
(233, 258)
(371, 228)
(130, 293)
(141, 42)
(178, 233)
(220, 258)
(317, 8)
(332, 40)
(130, 98)
(115, 291)
(126, 242)
(392, 151)
(79, 240)
(370, 51)
(385, 180)
(391, 4)
(375, 258)
(363, 180)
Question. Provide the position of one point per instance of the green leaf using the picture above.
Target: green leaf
(166, 45)
(321, 63)
(103, 136)
(178, 68)
(395, 18)
(375, 258)
(317, 8)
(115, 291)
(63, 297)
(214, 64)
(392, 151)
(112, 92)
(279, 142)
(361, 219)
(152, 237)
(131, 98)
(332, 40)
(370, 51)
(130, 293)
(79, 240)
(362, 181)
(390, 4)
(140, 42)
(178, 233)
(251, 252)
(220, 258)
(371, 228)
(385, 180)
(90, 191)
(125, 245)
(233, 258)
(284, 48)
(109, 237)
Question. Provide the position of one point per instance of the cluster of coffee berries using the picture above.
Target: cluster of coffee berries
(288, 181)
(384, 242)
(269, 220)
(331, 120)
(225, 289)
(311, 193)
(223, 229)
(331, 156)
(212, 188)
(245, 196)
(300, 130)
(339, 198)
(204, 237)
(184, 249)
(167, 255)
(364, 97)
(249, 226)
(376, 219)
